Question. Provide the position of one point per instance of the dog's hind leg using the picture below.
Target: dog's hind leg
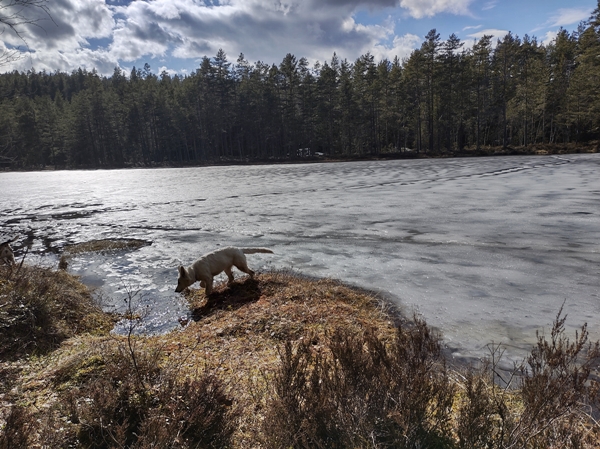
(241, 264)
(244, 267)
(229, 275)
(209, 285)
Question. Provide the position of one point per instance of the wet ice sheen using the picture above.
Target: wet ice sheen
(485, 249)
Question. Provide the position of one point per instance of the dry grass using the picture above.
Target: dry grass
(287, 361)
(40, 308)
(238, 332)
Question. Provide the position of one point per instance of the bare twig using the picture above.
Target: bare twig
(14, 15)
(133, 323)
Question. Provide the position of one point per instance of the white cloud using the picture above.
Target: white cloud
(494, 32)
(166, 10)
(428, 8)
(167, 70)
(402, 46)
(134, 39)
(67, 61)
(564, 17)
(261, 29)
(90, 33)
(489, 5)
(63, 42)
(488, 31)
(72, 23)
(569, 16)
(549, 37)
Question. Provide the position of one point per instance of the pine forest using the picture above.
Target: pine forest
(444, 98)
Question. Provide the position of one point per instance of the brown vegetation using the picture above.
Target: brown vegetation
(105, 245)
(99, 246)
(287, 361)
(40, 308)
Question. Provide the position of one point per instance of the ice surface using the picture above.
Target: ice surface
(486, 249)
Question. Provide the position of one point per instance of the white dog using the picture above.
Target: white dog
(7, 256)
(211, 264)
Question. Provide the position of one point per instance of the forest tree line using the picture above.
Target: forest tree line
(445, 97)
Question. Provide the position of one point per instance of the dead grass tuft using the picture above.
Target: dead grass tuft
(238, 331)
(40, 308)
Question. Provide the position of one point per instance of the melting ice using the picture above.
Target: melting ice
(485, 249)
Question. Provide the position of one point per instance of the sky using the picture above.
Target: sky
(173, 35)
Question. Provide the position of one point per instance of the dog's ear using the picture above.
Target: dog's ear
(182, 272)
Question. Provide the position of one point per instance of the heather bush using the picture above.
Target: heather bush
(131, 401)
(551, 404)
(356, 390)
(115, 410)
(16, 431)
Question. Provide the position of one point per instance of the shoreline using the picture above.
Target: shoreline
(532, 150)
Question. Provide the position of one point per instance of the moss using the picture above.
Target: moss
(105, 245)
(99, 246)
(78, 369)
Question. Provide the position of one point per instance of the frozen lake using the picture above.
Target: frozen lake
(486, 249)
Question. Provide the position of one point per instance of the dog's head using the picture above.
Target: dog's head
(184, 280)
(6, 254)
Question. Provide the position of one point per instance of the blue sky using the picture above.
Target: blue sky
(173, 35)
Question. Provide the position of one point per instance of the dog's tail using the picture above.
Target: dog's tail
(256, 250)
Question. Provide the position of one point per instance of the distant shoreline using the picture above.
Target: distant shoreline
(531, 150)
